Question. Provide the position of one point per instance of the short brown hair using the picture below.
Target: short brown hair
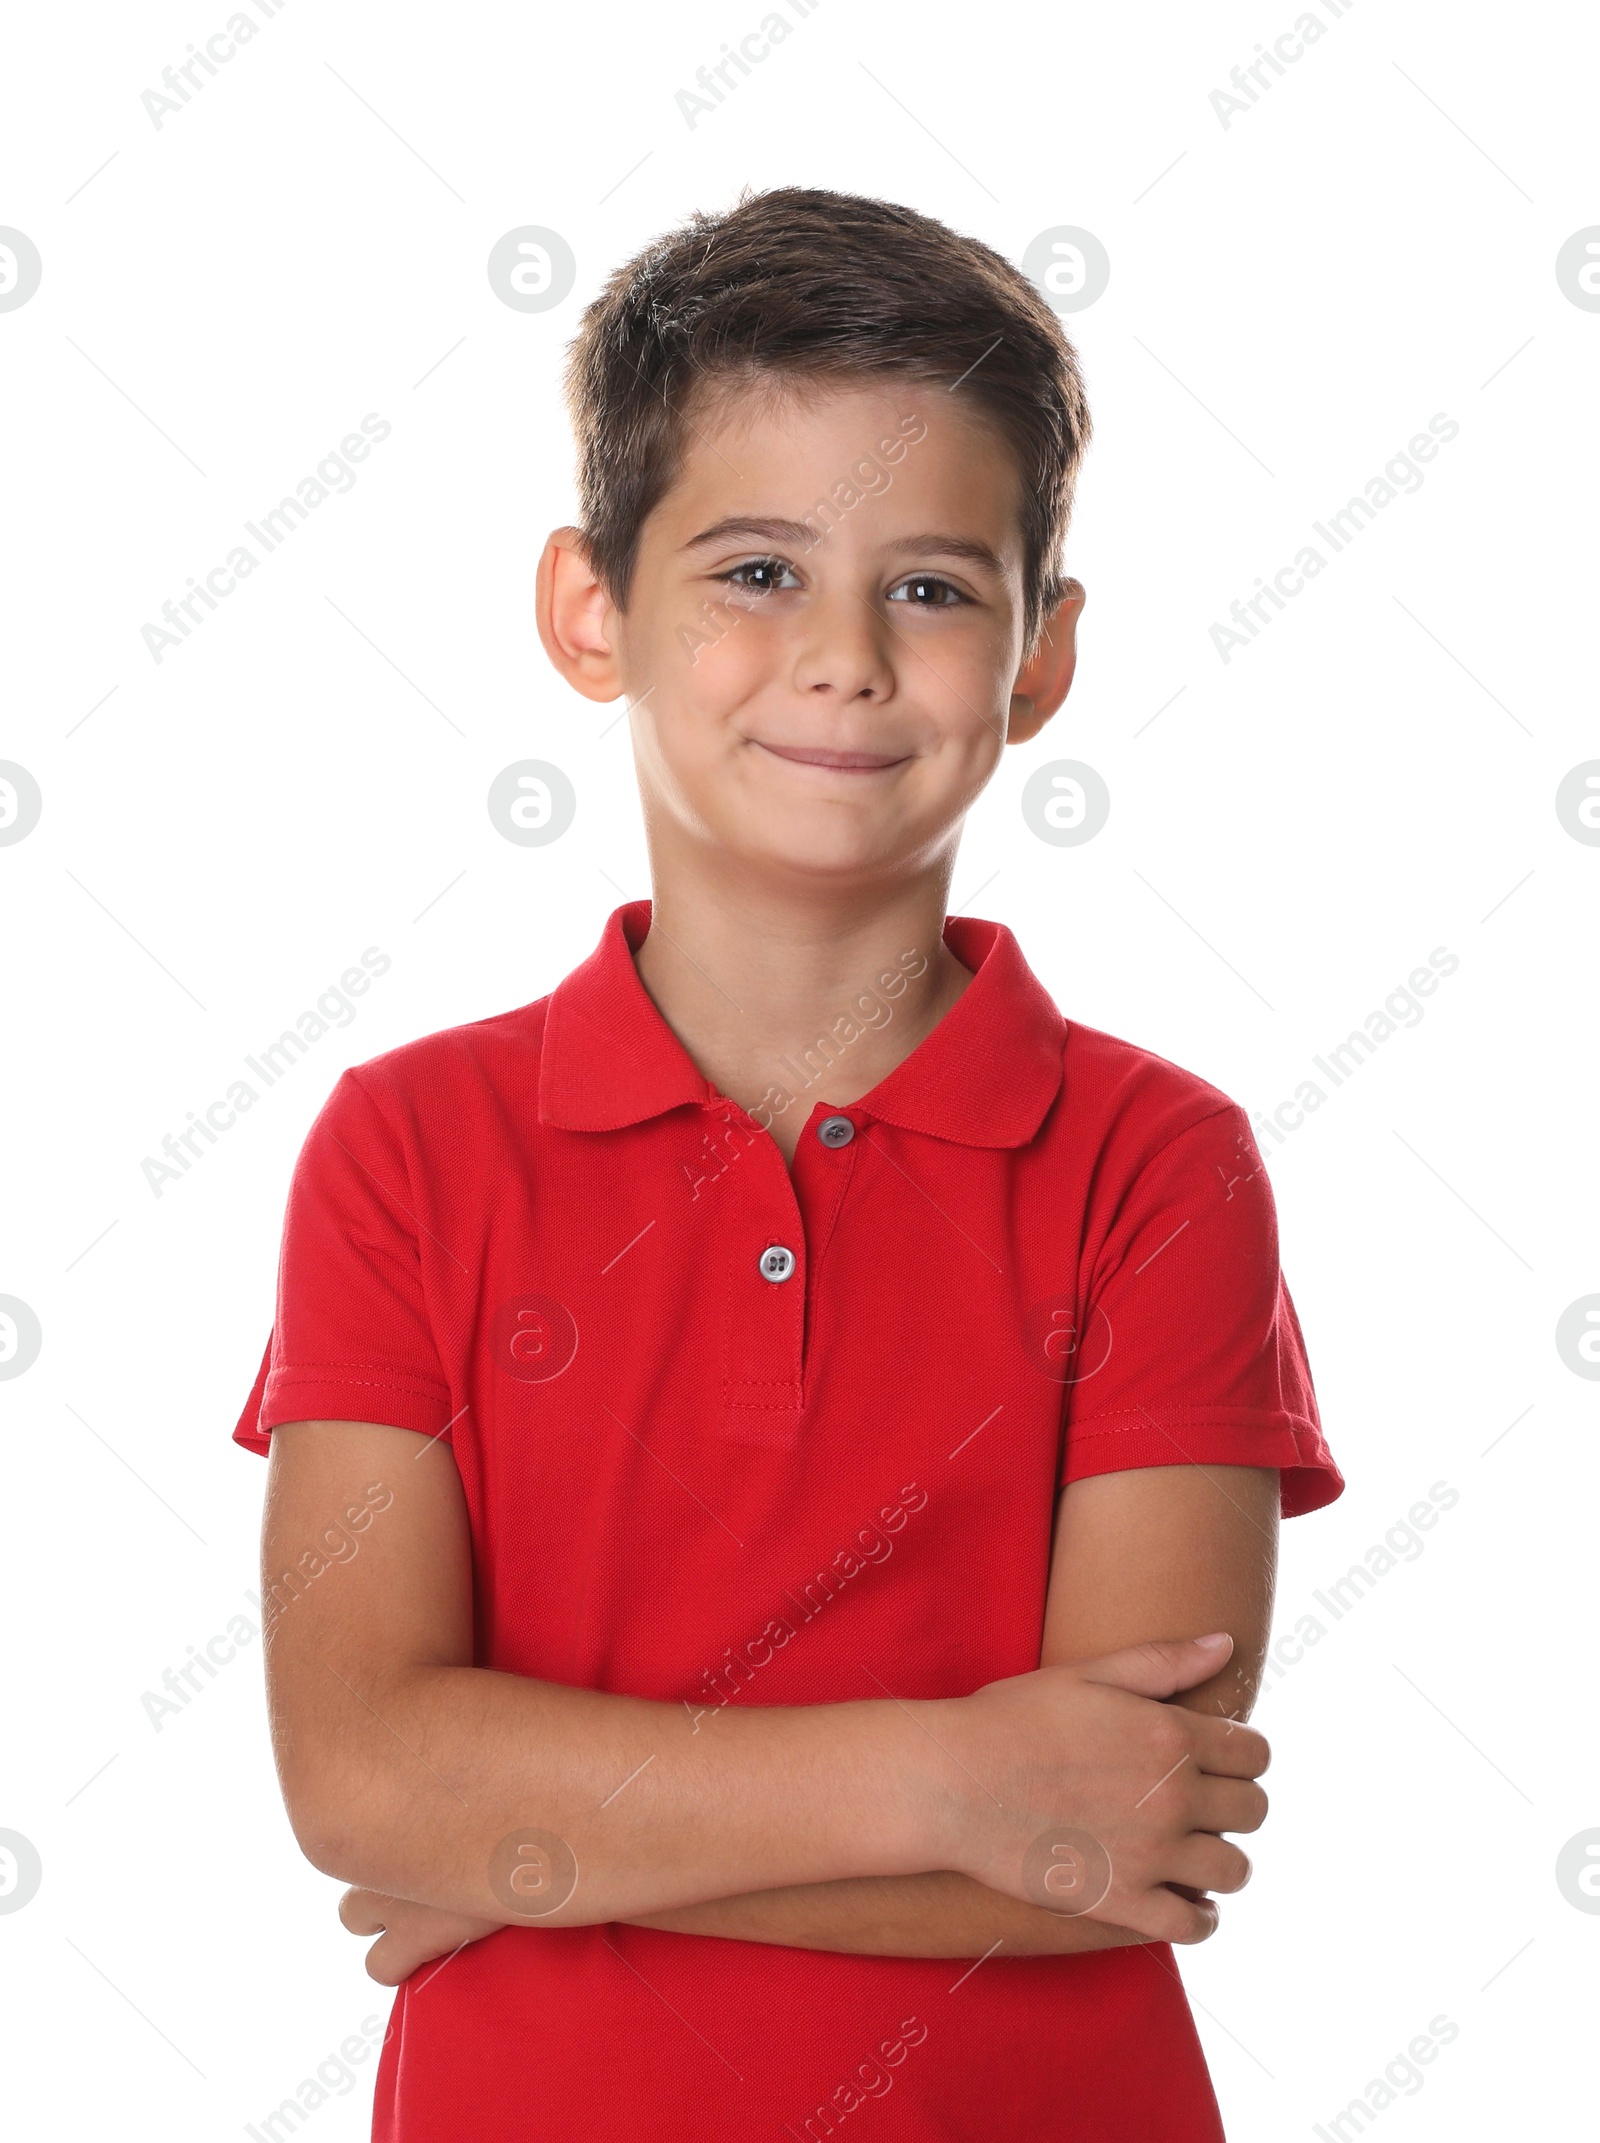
(810, 284)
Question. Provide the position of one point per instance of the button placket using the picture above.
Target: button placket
(821, 1182)
(764, 1327)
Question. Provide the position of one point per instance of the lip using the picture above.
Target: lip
(836, 762)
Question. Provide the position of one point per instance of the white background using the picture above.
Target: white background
(1292, 297)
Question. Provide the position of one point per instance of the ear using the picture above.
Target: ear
(1045, 678)
(574, 615)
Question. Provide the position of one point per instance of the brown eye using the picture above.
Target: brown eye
(926, 591)
(758, 576)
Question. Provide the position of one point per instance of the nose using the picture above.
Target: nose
(843, 649)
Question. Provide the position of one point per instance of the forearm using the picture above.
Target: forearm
(938, 1914)
(413, 1784)
(413, 1774)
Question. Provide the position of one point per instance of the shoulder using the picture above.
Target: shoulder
(1142, 1136)
(1119, 1095)
(450, 1078)
(1140, 1119)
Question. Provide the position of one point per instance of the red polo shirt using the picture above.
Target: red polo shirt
(734, 1434)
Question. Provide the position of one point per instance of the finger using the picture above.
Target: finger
(1219, 1804)
(365, 1912)
(388, 1964)
(1229, 1749)
(1202, 1863)
(1161, 1915)
(1162, 1667)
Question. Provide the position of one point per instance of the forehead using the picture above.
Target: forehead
(777, 446)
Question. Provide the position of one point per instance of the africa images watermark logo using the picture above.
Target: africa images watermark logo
(1402, 1543)
(1401, 1008)
(333, 473)
(1400, 473)
(1065, 803)
(21, 1871)
(21, 269)
(21, 1337)
(335, 2078)
(183, 1683)
(871, 2078)
(1402, 2078)
(182, 1149)
(871, 1543)
(181, 82)
(1251, 81)
(715, 83)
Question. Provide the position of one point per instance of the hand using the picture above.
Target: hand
(410, 1935)
(1091, 1747)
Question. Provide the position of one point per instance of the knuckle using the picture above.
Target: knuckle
(1247, 1810)
(1199, 1925)
(1236, 1870)
(1169, 1733)
(1155, 1652)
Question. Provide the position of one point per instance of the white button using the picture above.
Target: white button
(836, 1131)
(776, 1262)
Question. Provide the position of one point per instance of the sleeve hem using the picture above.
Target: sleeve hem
(398, 1401)
(1208, 1435)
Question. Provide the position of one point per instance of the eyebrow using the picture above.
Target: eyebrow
(777, 530)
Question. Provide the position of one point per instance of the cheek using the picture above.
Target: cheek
(739, 653)
(965, 669)
(702, 656)
(686, 731)
(962, 685)
(969, 758)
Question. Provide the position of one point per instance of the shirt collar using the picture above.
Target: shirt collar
(985, 1076)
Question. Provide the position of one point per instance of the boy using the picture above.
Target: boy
(802, 1426)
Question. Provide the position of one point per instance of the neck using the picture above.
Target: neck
(775, 995)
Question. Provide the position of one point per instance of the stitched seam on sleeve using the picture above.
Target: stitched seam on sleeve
(1121, 1419)
(349, 1373)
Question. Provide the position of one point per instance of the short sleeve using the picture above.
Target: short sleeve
(1190, 1352)
(351, 1340)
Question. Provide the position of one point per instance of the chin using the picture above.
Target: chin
(822, 855)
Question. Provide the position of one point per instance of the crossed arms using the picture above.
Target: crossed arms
(889, 1828)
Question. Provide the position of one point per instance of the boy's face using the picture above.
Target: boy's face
(823, 641)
